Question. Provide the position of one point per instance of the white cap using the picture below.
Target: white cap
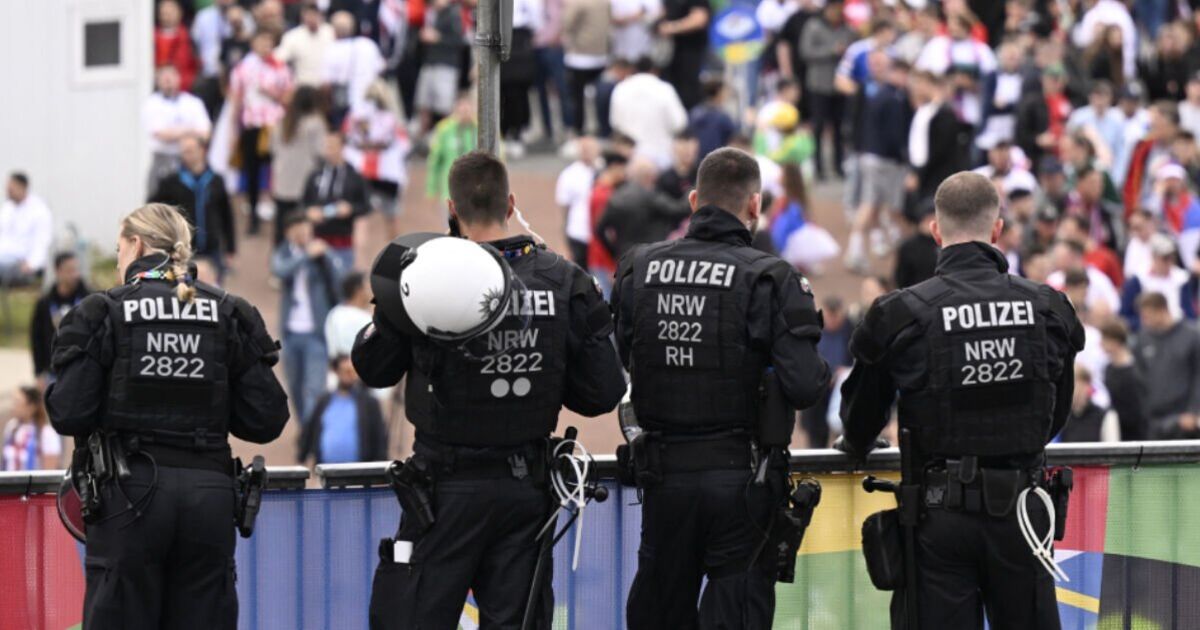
(1170, 171)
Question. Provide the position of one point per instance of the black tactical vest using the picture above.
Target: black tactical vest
(692, 367)
(514, 393)
(170, 376)
(988, 390)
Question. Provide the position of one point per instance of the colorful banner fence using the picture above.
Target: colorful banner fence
(1131, 553)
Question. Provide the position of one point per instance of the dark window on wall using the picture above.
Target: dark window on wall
(102, 44)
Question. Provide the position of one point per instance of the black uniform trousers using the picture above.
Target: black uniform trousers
(482, 540)
(697, 525)
(169, 567)
(971, 562)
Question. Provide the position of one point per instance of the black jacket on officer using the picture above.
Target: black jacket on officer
(981, 359)
(481, 425)
(700, 319)
(564, 355)
(167, 381)
(107, 355)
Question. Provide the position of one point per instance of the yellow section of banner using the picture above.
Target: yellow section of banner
(1078, 600)
(837, 522)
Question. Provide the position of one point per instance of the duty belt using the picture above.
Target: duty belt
(961, 485)
(692, 455)
(448, 462)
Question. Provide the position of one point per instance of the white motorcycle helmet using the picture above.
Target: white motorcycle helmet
(449, 289)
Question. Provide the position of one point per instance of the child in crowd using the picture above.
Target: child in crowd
(29, 441)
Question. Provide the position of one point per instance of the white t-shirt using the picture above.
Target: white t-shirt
(342, 325)
(184, 110)
(26, 231)
(1137, 257)
(354, 62)
(305, 51)
(574, 192)
(300, 315)
(634, 39)
(1100, 289)
(648, 110)
(942, 52)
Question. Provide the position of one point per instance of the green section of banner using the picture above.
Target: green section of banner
(1152, 513)
(832, 592)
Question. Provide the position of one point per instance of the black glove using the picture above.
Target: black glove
(841, 444)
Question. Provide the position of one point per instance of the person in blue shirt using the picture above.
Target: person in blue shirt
(709, 122)
(346, 424)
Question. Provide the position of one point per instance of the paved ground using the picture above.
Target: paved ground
(533, 183)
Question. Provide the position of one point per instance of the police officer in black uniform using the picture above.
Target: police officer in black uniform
(155, 374)
(982, 361)
(699, 321)
(481, 449)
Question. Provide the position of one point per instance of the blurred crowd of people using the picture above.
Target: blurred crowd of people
(298, 119)
(1084, 113)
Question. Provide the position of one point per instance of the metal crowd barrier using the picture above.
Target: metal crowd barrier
(1129, 549)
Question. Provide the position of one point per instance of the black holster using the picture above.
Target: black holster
(1060, 481)
(251, 481)
(883, 549)
(413, 483)
(791, 521)
(86, 484)
(639, 463)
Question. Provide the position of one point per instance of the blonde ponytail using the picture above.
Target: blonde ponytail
(164, 230)
(185, 290)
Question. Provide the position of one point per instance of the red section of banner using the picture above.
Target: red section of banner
(40, 567)
(1087, 515)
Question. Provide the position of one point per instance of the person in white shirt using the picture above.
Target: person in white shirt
(167, 116)
(350, 65)
(26, 231)
(305, 46)
(573, 193)
(632, 38)
(1104, 13)
(648, 110)
(349, 317)
(1102, 299)
(1189, 109)
(1137, 251)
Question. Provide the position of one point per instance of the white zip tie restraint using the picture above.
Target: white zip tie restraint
(1042, 549)
(570, 488)
(528, 228)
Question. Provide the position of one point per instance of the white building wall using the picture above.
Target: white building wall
(76, 131)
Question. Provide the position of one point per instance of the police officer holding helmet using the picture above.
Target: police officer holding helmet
(982, 361)
(484, 397)
(153, 376)
(699, 322)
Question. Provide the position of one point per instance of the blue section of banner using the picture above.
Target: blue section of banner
(311, 560)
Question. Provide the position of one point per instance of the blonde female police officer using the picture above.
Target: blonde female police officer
(164, 369)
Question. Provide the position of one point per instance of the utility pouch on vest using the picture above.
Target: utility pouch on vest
(1061, 481)
(883, 549)
(791, 521)
(1000, 489)
(251, 481)
(647, 459)
(412, 482)
(776, 417)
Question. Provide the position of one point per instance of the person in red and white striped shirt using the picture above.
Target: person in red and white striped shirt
(258, 86)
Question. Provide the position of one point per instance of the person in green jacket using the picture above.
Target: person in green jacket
(453, 137)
